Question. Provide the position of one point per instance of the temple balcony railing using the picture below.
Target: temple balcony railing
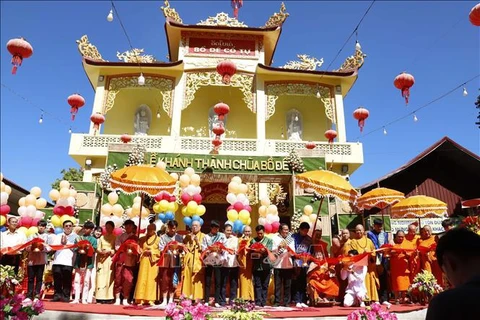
(83, 145)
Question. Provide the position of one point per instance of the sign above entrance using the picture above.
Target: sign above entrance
(228, 47)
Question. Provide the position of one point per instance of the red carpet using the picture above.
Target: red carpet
(143, 311)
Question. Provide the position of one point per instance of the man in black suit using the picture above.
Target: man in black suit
(458, 254)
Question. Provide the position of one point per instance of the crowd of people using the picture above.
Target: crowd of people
(286, 269)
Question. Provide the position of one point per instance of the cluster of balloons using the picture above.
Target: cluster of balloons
(308, 216)
(4, 207)
(191, 198)
(29, 211)
(64, 205)
(165, 206)
(112, 211)
(268, 216)
(238, 213)
(134, 213)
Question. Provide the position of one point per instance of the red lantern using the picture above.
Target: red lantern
(331, 135)
(218, 130)
(75, 101)
(404, 82)
(125, 138)
(19, 49)
(361, 114)
(97, 119)
(217, 142)
(474, 15)
(310, 145)
(221, 109)
(226, 69)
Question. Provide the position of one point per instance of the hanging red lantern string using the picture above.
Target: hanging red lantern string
(218, 129)
(19, 48)
(404, 82)
(97, 119)
(330, 135)
(226, 69)
(236, 4)
(310, 145)
(125, 138)
(361, 114)
(221, 109)
(474, 15)
(75, 101)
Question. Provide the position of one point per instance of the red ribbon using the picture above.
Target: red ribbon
(129, 244)
(18, 247)
(86, 246)
(165, 250)
(217, 246)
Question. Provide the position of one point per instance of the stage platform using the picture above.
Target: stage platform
(66, 311)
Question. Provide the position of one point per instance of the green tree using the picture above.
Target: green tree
(70, 174)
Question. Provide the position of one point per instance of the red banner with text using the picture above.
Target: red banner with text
(230, 47)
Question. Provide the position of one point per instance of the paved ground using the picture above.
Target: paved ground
(57, 315)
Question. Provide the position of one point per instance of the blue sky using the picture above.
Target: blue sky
(434, 41)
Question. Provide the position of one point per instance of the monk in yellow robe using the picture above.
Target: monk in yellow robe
(193, 271)
(400, 265)
(245, 285)
(428, 260)
(146, 289)
(340, 247)
(412, 239)
(362, 244)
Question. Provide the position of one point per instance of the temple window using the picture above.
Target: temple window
(294, 125)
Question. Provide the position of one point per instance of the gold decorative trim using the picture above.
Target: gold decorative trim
(222, 19)
(135, 56)
(252, 193)
(274, 90)
(164, 84)
(210, 35)
(354, 62)
(195, 80)
(278, 18)
(306, 63)
(170, 13)
(213, 62)
(88, 50)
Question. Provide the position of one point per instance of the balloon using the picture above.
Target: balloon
(272, 209)
(197, 198)
(32, 230)
(248, 208)
(40, 203)
(243, 188)
(201, 222)
(21, 201)
(156, 208)
(313, 217)
(275, 226)
(195, 218)
(31, 209)
(71, 201)
(265, 201)
(238, 206)
(36, 191)
(307, 210)
(237, 179)
(174, 175)
(162, 165)
(185, 212)
(184, 180)
(8, 189)
(192, 207)
(243, 216)
(117, 231)
(172, 206)
(232, 215)
(3, 220)
(3, 198)
(191, 190)
(189, 171)
(231, 198)
(64, 184)
(118, 210)
(237, 225)
(39, 215)
(73, 193)
(163, 205)
(26, 222)
(201, 210)
(64, 193)
(187, 221)
(5, 209)
(158, 197)
(262, 221)
(106, 209)
(58, 230)
(161, 216)
(55, 220)
(54, 194)
(233, 187)
(169, 216)
(185, 198)
(262, 211)
(195, 179)
(30, 200)
(112, 198)
(268, 228)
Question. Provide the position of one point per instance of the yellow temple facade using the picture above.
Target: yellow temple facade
(273, 110)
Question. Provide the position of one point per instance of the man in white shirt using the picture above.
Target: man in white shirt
(62, 266)
(229, 271)
(37, 259)
(355, 274)
(283, 265)
(10, 238)
(213, 261)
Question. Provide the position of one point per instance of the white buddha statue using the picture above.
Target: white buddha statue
(142, 121)
(294, 126)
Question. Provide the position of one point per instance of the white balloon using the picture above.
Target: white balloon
(241, 197)
(22, 211)
(39, 215)
(4, 198)
(270, 218)
(189, 171)
(117, 221)
(245, 202)
(174, 175)
(62, 202)
(162, 165)
(231, 198)
(71, 201)
(262, 221)
(276, 218)
(191, 189)
(198, 190)
(31, 209)
(137, 200)
(144, 223)
(265, 201)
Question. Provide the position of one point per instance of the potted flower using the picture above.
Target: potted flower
(186, 309)
(372, 312)
(8, 280)
(424, 288)
(242, 310)
(20, 308)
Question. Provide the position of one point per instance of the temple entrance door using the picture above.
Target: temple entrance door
(215, 211)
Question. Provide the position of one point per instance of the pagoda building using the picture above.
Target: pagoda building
(274, 112)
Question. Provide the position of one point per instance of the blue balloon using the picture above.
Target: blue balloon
(187, 221)
(196, 218)
(3, 228)
(58, 230)
(201, 221)
(161, 216)
(169, 215)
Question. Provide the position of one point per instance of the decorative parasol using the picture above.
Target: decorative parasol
(379, 198)
(142, 179)
(327, 184)
(419, 207)
(472, 203)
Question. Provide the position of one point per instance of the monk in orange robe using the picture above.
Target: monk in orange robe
(362, 244)
(400, 257)
(428, 259)
(321, 279)
(340, 247)
(412, 239)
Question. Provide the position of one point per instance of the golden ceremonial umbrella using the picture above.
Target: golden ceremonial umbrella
(379, 198)
(419, 207)
(142, 179)
(327, 184)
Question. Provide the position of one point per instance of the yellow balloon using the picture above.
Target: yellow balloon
(64, 218)
(243, 215)
(172, 206)
(232, 215)
(249, 221)
(192, 207)
(36, 191)
(156, 208)
(8, 189)
(262, 211)
(23, 230)
(3, 220)
(112, 197)
(30, 200)
(163, 205)
(201, 210)
(41, 203)
(54, 194)
(118, 210)
(64, 184)
(21, 202)
(73, 219)
(55, 220)
(31, 231)
(185, 212)
(64, 193)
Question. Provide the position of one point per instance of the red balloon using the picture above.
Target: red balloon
(172, 199)
(4, 209)
(248, 208)
(26, 222)
(197, 198)
(158, 197)
(69, 210)
(275, 226)
(117, 231)
(186, 198)
(238, 206)
(35, 222)
(229, 208)
(268, 228)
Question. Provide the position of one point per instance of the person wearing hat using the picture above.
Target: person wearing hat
(213, 262)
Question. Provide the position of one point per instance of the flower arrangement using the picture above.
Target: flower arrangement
(424, 287)
(373, 312)
(242, 310)
(8, 280)
(472, 223)
(186, 309)
(19, 308)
